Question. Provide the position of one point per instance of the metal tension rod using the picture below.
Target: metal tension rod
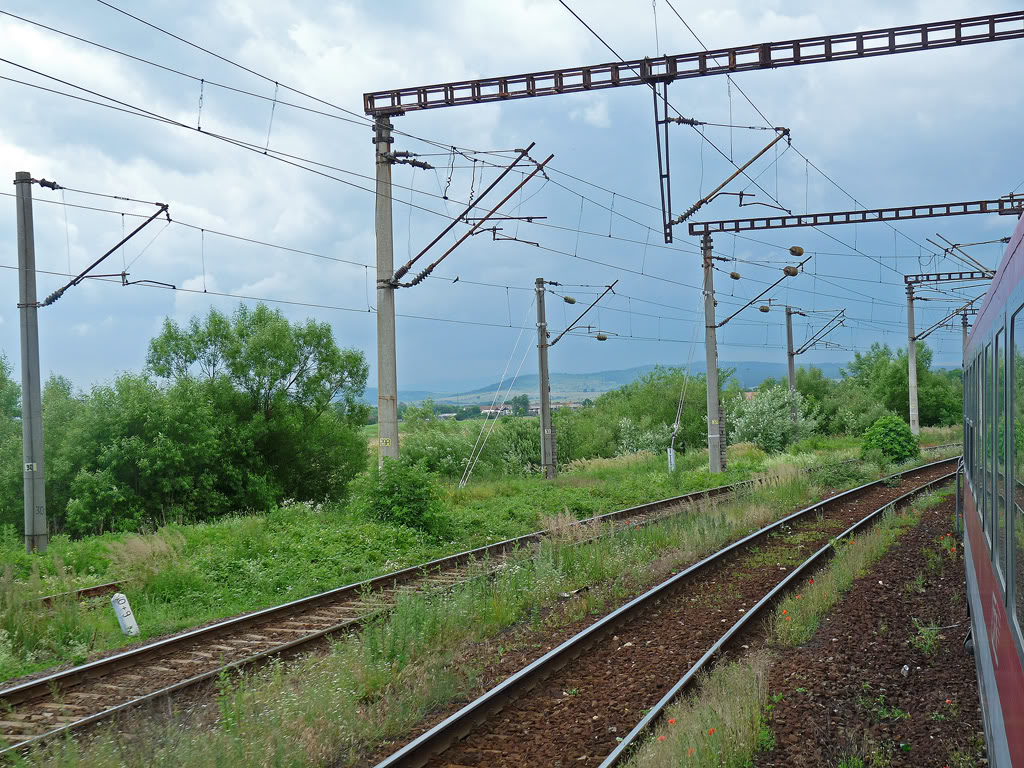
(162, 209)
(796, 251)
(783, 133)
(592, 305)
(472, 230)
(836, 321)
(723, 61)
(959, 310)
(859, 217)
(404, 269)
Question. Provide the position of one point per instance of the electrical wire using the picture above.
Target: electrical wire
(770, 124)
(233, 63)
(666, 101)
(474, 456)
(362, 122)
(299, 161)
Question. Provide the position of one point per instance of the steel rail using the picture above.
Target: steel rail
(655, 712)
(83, 593)
(23, 691)
(67, 679)
(453, 728)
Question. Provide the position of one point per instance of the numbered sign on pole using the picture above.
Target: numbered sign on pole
(124, 615)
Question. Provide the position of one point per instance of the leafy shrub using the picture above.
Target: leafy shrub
(516, 443)
(442, 451)
(634, 438)
(891, 436)
(401, 493)
(855, 419)
(766, 420)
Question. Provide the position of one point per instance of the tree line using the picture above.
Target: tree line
(241, 412)
(232, 413)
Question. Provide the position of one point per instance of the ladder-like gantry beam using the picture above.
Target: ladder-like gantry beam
(723, 61)
(1007, 205)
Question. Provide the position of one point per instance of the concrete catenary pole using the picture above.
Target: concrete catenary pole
(711, 360)
(790, 356)
(387, 371)
(36, 532)
(915, 423)
(547, 434)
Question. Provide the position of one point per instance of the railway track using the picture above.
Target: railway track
(113, 586)
(83, 594)
(588, 700)
(71, 699)
(50, 705)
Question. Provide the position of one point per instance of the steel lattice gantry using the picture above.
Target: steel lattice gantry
(658, 72)
(1008, 205)
(723, 61)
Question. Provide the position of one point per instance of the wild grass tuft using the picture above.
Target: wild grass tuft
(719, 725)
(376, 684)
(797, 618)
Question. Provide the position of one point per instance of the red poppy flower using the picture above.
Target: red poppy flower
(810, 581)
(671, 721)
(661, 738)
(711, 731)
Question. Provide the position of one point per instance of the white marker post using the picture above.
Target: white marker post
(124, 615)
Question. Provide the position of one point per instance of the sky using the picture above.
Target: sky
(930, 127)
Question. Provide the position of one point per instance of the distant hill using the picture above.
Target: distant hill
(580, 386)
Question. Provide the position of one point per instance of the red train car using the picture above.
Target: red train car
(993, 504)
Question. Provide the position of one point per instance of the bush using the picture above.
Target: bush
(517, 442)
(442, 451)
(633, 438)
(766, 420)
(891, 436)
(400, 493)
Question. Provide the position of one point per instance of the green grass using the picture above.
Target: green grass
(734, 700)
(186, 575)
(375, 686)
(720, 725)
(798, 616)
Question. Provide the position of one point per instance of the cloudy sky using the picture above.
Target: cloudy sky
(930, 127)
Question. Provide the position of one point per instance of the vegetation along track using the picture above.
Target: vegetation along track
(49, 705)
(586, 701)
(52, 704)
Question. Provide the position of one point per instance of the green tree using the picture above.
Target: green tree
(520, 405)
(246, 411)
(268, 358)
(766, 420)
(11, 506)
(868, 368)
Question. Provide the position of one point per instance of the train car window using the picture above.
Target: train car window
(985, 509)
(974, 422)
(974, 426)
(999, 427)
(1016, 533)
(971, 459)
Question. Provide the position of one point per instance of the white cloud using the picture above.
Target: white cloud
(594, 114)
(874, 126)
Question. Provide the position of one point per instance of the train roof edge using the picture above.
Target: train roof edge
(1009, 273)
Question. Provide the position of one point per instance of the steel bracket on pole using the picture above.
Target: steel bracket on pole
(661, 122)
